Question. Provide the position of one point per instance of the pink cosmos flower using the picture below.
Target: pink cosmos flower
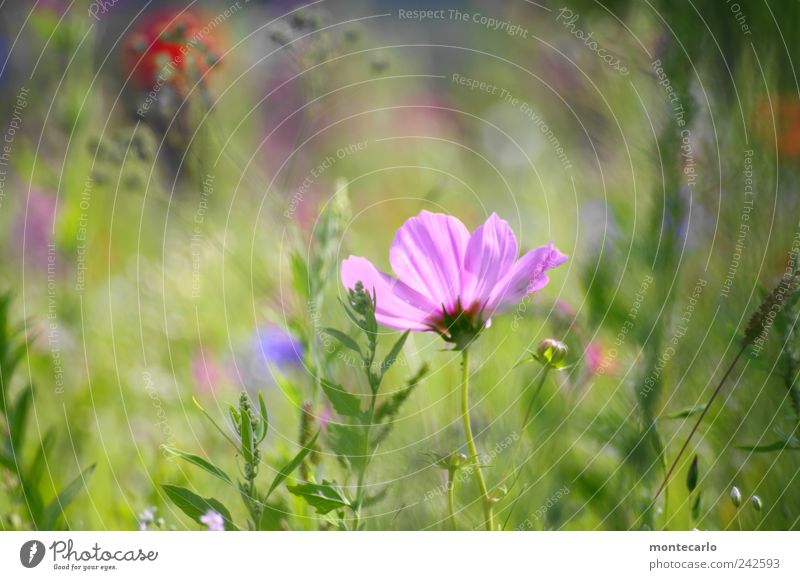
(448, 281)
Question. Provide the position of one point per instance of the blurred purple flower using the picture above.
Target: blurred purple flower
(269, 349)
(451, 282)
(276, 347)
(213, 521)
(33, 232)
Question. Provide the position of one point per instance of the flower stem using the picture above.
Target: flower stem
(488, 510)
(516, 472)
(537, 390)
(716, 392)
(360, 489)
(451, 502)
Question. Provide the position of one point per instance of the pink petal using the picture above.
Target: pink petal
(490, 255)
(528, 275)
(427, 254)
(398, 306)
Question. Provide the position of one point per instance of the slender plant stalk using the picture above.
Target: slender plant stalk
(360, 489)
(666, 489)
(537, 390)
(517, 470)
(488, 510)
(700, 419)
(451, 501)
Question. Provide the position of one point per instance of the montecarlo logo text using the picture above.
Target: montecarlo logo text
(65, 551)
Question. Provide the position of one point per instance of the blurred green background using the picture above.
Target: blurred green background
(150, 254)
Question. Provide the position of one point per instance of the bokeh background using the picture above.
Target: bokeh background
(154, 226)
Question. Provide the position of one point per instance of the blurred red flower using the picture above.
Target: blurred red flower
(172, 47)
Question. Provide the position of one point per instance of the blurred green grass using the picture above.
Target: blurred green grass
(129, 338)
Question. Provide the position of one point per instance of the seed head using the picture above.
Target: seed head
(736, 496)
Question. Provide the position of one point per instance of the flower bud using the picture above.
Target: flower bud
(457, 461)
(736, 496)
(551, 353)
(451, 462)
(757, 504)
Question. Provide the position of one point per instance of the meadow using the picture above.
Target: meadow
(381, 265)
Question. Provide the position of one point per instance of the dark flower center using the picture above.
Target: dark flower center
(461, 326)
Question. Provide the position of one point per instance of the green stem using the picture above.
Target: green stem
(360, 490)
(451, 501)
(488, 510)
(536, 392)
(517, 470)
(665, 467)
(700, 419)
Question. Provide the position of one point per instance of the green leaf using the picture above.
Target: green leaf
(18, 418)
(344, 339)
(692, 475)
(393, 354)
(247, 438)
(774, 446)
(697, 507)
(195, 506)
(57, 506)
(199, 462)
(687, 412)
(300, 275)
(39, 462)
(323, 497)
(263, 425)
(235, 417)
(347, 441)
(352, 316)
(343, 402)
(216, 425)
(287, 469)
(388, 410)
(7, 461)
(273, 517)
